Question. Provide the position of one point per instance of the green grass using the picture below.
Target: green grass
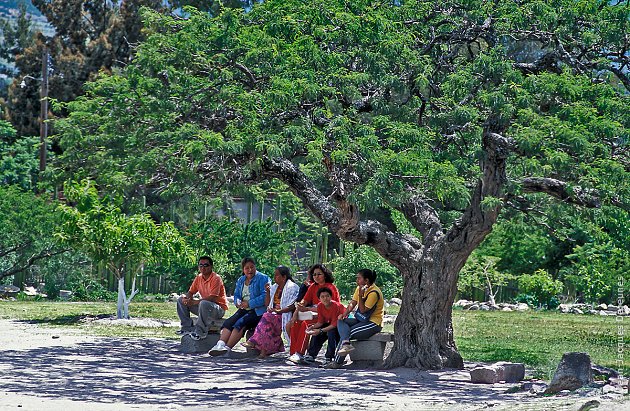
(537, 339)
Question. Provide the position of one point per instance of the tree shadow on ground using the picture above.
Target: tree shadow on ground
(67, 319)
(153, 371)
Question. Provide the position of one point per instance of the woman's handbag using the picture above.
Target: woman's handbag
(366, 315)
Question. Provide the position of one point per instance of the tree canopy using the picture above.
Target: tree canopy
(405, 126)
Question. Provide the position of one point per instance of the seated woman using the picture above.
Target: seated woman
(322, 277)
(249, 297)
(328, 312)
(268, 335)
(303, 289)
(368, 299)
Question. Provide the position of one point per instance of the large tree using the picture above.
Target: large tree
(404, 126)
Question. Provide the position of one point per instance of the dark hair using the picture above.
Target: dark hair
(369, 275)
(327, 273)
(247, 260)
(205, 257)
(284, 271)
(324, 290)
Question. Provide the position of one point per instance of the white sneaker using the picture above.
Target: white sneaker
(219, 349)
(345, 349)
(296, 358)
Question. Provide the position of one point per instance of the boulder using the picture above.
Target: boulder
(506, 309)
(573, 372)
(512, 372)
(564, 308)
(575, 310)
(395, 301)
(486, 375)
(522, 307)
(598, 370)
(473, 307)
(602, 307)
(9, 290)
(501, 371)
(484, 307)
(462, 303)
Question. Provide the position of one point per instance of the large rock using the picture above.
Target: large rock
(512, 372)
(486, 375)
(522, 307)
(574, 371)
(501, 371)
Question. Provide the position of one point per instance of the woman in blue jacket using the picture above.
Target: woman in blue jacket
(251, 299)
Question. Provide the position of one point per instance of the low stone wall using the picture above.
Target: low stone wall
(578, 308)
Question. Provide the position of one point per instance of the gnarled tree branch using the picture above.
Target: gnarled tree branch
(562, 191)
(423, 218)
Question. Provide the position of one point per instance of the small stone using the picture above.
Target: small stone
(506, 309)
(611, 389)
(55, 337)
(589, 405)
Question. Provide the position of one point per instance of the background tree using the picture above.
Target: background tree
(365, 110)
(124, 243)
(25, 239)
(480, 272)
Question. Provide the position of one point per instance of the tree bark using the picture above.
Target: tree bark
(423, 332)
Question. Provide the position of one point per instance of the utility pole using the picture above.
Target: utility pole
(43, 115)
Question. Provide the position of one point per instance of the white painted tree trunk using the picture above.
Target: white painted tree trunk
(122, 309)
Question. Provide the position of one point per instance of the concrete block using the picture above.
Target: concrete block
(512, 372)
(188, 345)
(486, 375)
(368, 350)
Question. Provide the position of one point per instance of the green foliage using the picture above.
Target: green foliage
(480, 272)
(542, 288)
(396, 98)
(19, 162)
(345, 269)
(124, 243)
(229, 241)
(27, 222)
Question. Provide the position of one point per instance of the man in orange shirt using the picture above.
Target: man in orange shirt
(211, 306)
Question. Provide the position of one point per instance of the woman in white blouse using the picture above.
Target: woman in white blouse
(281, 296)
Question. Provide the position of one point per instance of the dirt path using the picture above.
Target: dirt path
(54, 369)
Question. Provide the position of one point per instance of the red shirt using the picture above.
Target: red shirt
(310, 298)
(329, 315)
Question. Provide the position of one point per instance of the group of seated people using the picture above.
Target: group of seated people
(307, 315)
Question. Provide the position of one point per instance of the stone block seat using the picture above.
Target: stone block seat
(188, 345)
(370, 352)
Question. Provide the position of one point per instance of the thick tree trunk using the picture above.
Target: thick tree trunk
(423, 336)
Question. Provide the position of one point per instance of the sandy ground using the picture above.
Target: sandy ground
(56, 369)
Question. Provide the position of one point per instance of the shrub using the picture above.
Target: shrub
(541, 289)
(345, 268)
